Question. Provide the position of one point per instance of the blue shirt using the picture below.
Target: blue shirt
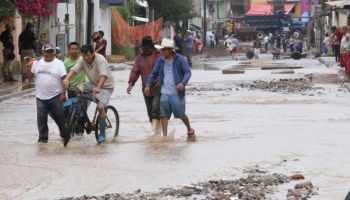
(169, 86)
(181, 72)
(188, 41)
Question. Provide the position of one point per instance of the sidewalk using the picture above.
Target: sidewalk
(15, 89)
(330, 63)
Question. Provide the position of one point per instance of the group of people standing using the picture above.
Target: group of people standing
(27, 44)
(164, 75)
(338, 41)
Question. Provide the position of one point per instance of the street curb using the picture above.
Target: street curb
(16, 94)
(323, 62)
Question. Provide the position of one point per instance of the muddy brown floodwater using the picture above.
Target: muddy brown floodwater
(237, 127)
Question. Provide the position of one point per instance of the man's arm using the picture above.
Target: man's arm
(152, 76)
(67, 78)
(100, 84)
(133, 77)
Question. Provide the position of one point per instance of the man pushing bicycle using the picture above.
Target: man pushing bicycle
(100, 82)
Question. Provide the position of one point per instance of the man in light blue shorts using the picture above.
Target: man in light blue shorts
(100, 82)
(174, 73)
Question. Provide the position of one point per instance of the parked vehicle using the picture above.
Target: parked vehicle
(264, 24)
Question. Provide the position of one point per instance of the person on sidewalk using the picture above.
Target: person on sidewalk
(335, 41)
(27, 46)
(178, 43)
(174, 73)
(101, 44)
(257, 47)
(325, 45)
(188, 43)
(101, 82)
(8, 53)
(69, 63)
(50, 93)
(143, 66)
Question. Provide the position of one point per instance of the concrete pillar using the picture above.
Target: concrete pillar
(97, 16)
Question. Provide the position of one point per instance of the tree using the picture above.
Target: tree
(26, 8)
(7, 9)
(175, 11)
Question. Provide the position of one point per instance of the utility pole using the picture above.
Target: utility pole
(309, 26)
(90, 13)
(205, 24)
(79, 4)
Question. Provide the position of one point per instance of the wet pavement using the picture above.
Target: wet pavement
(237, 128)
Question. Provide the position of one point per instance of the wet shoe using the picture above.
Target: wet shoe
(42, 141)
(101, 138)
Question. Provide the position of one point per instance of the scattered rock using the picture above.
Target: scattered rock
(297, 177)
(306, 185)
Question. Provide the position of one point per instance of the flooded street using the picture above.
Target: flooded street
(302, 128)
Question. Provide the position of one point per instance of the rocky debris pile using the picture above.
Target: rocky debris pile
(282, 85)
(302, 191)
(255, 186)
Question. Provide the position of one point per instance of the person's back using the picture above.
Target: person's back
(235, 42)
(257, 44)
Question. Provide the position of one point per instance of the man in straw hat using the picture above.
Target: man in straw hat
(143, 66)
(174, 73)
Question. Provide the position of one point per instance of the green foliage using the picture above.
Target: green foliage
(124, 12)
(7, 9)
(173, 10)
(127, 51)
(239, 9)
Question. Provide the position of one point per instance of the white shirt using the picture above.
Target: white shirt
(48, 83)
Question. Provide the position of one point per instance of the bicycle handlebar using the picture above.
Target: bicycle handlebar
(84, 93)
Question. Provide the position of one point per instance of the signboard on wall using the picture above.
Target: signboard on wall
(61, 42)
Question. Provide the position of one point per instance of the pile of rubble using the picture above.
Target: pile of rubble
(255, 186)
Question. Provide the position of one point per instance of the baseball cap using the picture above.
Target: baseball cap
(48, 47)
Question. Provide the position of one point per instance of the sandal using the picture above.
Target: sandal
(191, 132)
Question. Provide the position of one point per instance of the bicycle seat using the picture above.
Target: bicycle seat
(70, 101)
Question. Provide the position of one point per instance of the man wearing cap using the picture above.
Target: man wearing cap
(174, 73)
(143, 66)
(100, 82)
(27, 45)
(7, 40)
(50, 93)
(188, 42)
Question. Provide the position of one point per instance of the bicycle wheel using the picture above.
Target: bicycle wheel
(112, 124)
(70, 126)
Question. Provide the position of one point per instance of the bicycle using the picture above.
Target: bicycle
(77, 115)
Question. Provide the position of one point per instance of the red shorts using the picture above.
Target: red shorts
(234, 50)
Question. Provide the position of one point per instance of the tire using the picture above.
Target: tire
(112, 124)
(70, 126)
(297, 34)
(250, 55)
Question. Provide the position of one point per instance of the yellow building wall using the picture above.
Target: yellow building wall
(297, 10)
(253, 2)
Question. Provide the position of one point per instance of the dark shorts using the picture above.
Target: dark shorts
(172, 104)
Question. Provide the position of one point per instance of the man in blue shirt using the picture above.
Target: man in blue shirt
(188, 41)
(174, 73)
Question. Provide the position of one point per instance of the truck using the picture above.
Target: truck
(261, 25)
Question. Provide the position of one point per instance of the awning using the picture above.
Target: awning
(288, 7)
(265, 8)
(334, 3)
